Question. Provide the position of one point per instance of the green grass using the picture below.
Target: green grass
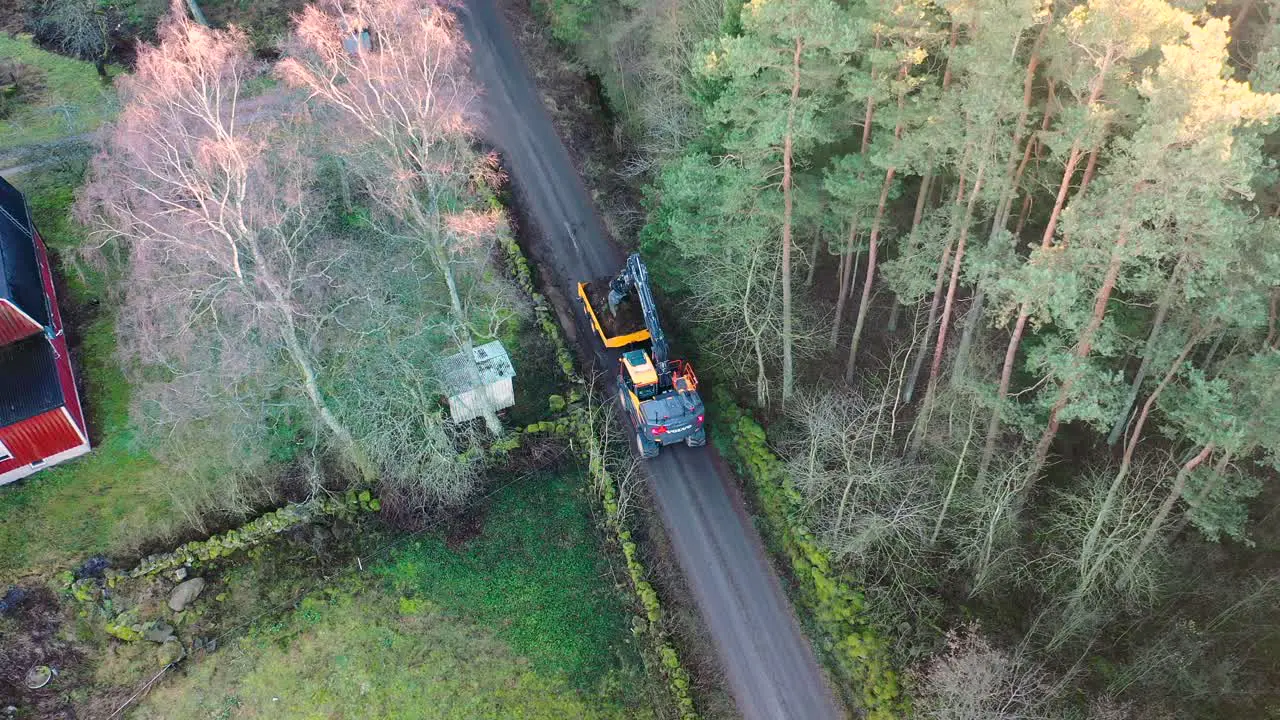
(535, 575)
(73, 101)
(366, 655)
(112, 498)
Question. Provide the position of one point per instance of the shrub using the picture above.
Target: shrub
(19, 83)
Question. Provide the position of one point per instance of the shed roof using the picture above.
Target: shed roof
(491, 365)
(20, 281)
(30, 374)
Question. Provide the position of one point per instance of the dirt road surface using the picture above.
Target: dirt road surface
(771, 669)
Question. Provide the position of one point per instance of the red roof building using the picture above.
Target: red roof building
(41, 419)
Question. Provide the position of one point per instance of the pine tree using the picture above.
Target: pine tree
(1091, 53)
(1178, 166)
(781, 76)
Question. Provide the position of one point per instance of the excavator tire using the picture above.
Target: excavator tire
(647, 448)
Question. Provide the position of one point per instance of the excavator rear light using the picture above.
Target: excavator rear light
(659, 429)
(699, 419)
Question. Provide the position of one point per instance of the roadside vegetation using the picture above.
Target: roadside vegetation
(1000, 282)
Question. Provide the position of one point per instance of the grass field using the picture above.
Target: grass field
(510, 614)
(367, 656)
(74, 99)
(534, 574)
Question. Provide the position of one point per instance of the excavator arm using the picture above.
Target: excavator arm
(635, 278)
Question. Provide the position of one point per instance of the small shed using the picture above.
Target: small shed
(480, 381)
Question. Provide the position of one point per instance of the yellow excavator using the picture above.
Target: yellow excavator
(659, 394)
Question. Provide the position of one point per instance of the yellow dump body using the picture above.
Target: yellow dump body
(615, 341)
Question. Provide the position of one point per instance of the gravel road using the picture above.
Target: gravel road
(770, 667)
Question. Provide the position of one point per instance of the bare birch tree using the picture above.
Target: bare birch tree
(252, 324)
(392, 74)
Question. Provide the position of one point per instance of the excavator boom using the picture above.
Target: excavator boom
(635, 278)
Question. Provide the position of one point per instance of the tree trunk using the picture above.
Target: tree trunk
(922, 199)
(1089, 168)
(353, 452)
(939, 347)
(1132, 444)
(1024, 310)
(762, 377)
(1240, 14)
(864, 303)
(1162, 311)
(1272, 312)
(1084, 346)
(311, 387)
(441, 256)
(1023, 214)
(813, 259)
(895, 310)
(1219, 469)
(908, 392)
(1028, 151)
(344, 183)
(788, 362)
(1207, 363)
(972, 320)
(1073, 159)
(1179, 483)
(951, 50)
(951, 488)
(196, 13)
(1006, 373)
(846, 262)
(1014, 168)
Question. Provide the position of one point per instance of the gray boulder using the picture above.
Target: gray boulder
(160, 632)
(169, 652)
(186, 593)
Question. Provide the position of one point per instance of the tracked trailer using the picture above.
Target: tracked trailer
(660, 395)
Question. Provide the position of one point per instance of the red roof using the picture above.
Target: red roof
(41, 419)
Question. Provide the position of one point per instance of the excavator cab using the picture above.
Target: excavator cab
(641, 376)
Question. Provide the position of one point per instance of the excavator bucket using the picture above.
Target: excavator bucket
(620, 329)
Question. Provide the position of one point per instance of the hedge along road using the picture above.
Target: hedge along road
(771, 669)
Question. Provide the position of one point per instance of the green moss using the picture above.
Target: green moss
(75, 100)
(859, 653)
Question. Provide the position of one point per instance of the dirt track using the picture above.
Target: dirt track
(770, 667)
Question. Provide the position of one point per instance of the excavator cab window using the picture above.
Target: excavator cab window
(640, 373)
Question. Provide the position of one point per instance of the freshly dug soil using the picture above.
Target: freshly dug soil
(629, 318)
